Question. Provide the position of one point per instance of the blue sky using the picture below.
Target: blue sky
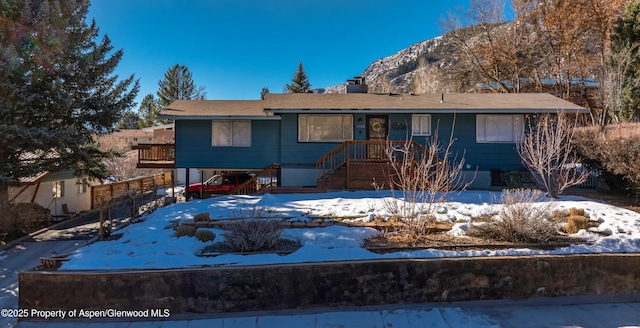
(236, 47)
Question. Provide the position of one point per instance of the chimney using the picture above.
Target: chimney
(357, 85)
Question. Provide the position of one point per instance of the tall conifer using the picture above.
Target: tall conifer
(57, 90)
(299, 82)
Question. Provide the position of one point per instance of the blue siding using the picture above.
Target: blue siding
(483, 156)
(300, 154)
(194, 150)
(277, 142)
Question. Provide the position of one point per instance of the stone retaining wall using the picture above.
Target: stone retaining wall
(209, 290)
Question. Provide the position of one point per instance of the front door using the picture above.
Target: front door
(377, 130)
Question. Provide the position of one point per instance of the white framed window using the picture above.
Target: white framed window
(58, 189)
(231, 133)
(499, 128)
(82, 187)
(421, 125)
(325, 128)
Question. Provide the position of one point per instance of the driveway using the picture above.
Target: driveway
(61, 238)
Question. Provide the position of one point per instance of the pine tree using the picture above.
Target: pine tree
(299, 82)
(57, 90)
(178, 85)
(148, 111)
(129, 120)
(263, 92)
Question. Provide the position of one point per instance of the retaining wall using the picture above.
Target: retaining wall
(209, 290)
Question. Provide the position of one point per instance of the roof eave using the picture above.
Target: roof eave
(218, 117)
(432, 110)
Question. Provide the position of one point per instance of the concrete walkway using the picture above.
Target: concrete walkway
(582, 311)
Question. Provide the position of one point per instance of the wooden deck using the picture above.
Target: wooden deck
(156, 156)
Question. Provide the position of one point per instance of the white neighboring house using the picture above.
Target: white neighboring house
(53, 189)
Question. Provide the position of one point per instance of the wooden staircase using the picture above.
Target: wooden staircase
(359, 176)
(354, 165)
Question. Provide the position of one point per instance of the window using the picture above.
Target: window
(58, 189)
(421, 125)
(499, 128)
(82, 187)
(327, 128)
(231, 134)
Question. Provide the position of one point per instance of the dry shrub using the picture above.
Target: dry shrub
(546, 151)
(202, 217)
(205, 235)
(251, 230)
(559, 215)
(523, 218)
(614, 150)
(576, 211)
(420, 178)
(185, 230)
(576, 223)
(252, 235)
(23, 218)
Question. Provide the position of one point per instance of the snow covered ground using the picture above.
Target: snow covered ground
(150, 245)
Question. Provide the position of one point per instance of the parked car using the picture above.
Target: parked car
(218, 184)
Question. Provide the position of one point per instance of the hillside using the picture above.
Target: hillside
(400, 66)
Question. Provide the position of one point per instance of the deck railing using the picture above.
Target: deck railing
(156, 155)
(371, 151)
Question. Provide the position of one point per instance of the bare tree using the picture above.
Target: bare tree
(423, 177)
(546, 150)
(426, 78)
(123, 166)
(383, 84)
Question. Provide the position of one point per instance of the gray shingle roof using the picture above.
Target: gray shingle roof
(461, 102)
(427, 103)
(212, 108)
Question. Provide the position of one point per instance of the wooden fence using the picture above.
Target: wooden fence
(115, 190)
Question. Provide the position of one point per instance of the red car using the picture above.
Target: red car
(218, 184)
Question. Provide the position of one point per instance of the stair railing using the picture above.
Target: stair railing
(361, 151)
(264, 179)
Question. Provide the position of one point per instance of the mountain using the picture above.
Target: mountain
(399, 67)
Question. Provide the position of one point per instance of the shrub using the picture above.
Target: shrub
(252, 234)
(202, 217)
(205, 235)
(576, 223)
(546, 151)
(185, 230)
(614, 150)
(576, 211)
(521, 219)
(420, 178)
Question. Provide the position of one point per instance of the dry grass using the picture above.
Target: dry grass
(522, 219)
(576, 223)
(184, 230)
(202, 217)
(205, 235)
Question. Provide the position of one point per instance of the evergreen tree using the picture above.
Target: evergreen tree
(148, 111)
(57, 90)
(129, 121)
(177, 85)
(626, 55)
(299, 82)
(263, 92)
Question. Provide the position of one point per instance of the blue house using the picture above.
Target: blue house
(335, 141)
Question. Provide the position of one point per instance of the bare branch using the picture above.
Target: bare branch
(546, 150)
